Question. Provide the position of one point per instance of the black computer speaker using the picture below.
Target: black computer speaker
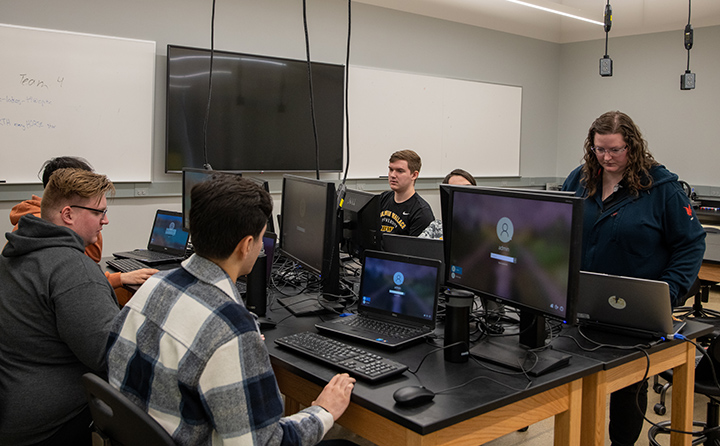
(256, 295)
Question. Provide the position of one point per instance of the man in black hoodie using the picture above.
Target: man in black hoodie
(55, 310)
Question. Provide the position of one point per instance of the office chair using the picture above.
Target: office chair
(700, 291)
(117, 421)
(705, 384)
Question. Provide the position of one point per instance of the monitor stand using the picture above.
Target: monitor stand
(308, 305)
(508, 353)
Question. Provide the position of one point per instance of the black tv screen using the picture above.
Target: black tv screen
(260, 115)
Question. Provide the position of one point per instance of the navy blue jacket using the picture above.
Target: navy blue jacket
(654, 235)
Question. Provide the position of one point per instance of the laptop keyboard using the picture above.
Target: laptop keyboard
(126, 265)
(387, 329)
(156, 256)
(355, 361)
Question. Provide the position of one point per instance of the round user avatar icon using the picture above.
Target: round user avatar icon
(505, 229)
(398, 278)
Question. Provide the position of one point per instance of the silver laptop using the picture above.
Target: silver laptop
(397, 301)
(620, 304)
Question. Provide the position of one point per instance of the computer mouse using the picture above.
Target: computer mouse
(266, 323)
(413, 395)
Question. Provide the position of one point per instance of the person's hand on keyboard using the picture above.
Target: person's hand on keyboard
(137, 277)
(335, 397)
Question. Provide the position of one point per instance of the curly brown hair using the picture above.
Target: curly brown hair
(640, 160)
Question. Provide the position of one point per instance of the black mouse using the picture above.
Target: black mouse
(266, 323)
(413, 395)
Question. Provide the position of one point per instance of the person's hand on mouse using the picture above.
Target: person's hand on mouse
(335, 397)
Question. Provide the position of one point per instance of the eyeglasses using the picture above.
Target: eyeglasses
(612, 152)
(99, 211)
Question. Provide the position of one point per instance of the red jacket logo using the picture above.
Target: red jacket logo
(688, 209)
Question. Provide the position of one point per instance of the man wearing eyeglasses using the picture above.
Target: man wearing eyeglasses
(56, 307)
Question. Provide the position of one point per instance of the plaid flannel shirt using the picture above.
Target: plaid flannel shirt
(186, 350)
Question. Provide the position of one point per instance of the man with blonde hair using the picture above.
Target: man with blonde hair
(402, 210)
(56, 307)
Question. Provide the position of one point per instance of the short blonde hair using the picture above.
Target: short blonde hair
(67, 185)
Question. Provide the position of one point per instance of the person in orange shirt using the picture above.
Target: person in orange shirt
(94, 251)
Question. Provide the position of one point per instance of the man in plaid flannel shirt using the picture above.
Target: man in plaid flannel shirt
(186, 350)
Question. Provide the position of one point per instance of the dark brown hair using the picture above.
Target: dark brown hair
(640, 160)
(225, 209)
(460, 173)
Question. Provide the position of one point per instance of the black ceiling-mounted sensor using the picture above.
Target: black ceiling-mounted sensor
(606, 64)
(687, 79)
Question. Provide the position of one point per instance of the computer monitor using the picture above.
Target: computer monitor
(191, 177)
(308, 232)
(519, 248)
(360, 222)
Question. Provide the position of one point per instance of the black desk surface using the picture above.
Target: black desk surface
(612, 356)
(488, 390)
(491, 391)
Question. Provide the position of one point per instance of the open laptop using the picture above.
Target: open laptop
(167, 244)
(416, 246)
(620, 304)
(396, 290)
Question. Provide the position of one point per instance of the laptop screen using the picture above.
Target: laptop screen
(167, 233)
(403, 286)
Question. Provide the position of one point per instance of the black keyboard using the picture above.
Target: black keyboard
(355, 361)
(126, 265)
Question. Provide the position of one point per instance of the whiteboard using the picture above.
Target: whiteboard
(71, 94)
(450, 123)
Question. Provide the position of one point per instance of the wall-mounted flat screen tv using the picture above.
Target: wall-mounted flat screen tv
(260, 115)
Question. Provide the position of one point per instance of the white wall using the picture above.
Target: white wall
(381, 38)
(562, 91)
(680, 126)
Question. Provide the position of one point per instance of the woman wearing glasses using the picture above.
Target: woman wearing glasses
(638, 222)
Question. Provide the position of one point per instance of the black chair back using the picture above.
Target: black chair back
(118, 419)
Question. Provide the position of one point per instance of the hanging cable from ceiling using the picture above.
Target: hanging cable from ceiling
(206, 164)
(606, 64)
(687, 79)
(342, 187)
(312, 94)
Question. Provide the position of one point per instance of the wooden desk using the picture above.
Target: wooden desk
(623, 368)
(597, 388)
(563, 402)
(477, 413)
(472, 417)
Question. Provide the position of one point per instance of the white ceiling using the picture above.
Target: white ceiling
(630, 17)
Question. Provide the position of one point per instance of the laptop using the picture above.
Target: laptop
(416, 246)
(398, 300)
(626, 305)
(167, 244)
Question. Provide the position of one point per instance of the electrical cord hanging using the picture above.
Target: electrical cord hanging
(312, 94)
(688, 38)
(687, 79)
(606, 62)
(347, 83)
(206, 165)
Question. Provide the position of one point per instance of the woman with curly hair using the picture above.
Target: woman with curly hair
(638, 222)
